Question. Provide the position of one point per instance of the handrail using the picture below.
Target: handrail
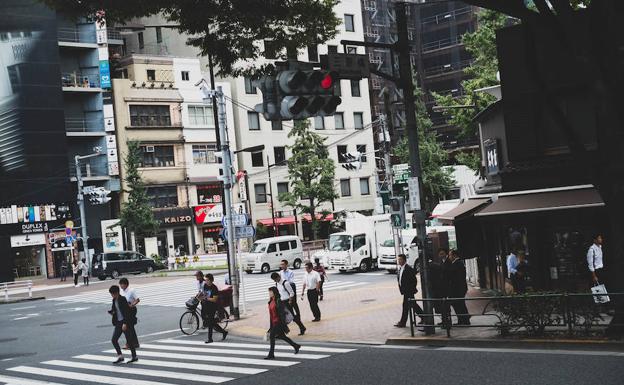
(6, 286)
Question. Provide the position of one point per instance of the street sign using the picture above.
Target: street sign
(240, 232)
(237, 220)
(401, 172)
(348, 65)
(414, 193)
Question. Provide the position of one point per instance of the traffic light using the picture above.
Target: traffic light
(397, 212)
(353, 161)
(269, 108)
(97, 195)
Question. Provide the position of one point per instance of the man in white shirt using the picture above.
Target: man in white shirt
(133, 300)
(312, 282)
(594, 260)
(288, 296)
(512, 263)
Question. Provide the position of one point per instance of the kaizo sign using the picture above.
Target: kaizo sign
(174, 216)
(178, 219)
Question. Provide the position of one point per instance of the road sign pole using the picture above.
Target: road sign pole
(81, 208)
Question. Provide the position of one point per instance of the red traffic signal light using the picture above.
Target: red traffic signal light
(328, 81)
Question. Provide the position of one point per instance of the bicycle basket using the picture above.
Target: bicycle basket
(192, 303)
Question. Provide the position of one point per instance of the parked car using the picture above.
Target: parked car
(266, 254)
(118, 263)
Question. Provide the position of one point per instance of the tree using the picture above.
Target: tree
(310, 174)
(437, 180)
(136, 213)
(228, 31)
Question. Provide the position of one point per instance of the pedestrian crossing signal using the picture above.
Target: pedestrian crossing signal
(397, 212)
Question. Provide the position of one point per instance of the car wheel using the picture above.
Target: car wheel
(265, 268)
(297, 264)
(363, 266)
(102, 277)
(115, 274)
(150, 269)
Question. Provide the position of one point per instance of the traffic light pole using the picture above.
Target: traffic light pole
(81, 205)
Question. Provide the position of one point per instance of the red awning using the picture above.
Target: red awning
(291, 220)
(329, 217)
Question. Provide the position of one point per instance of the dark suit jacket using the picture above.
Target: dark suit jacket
(407, 284)
(456, 275)
(127, 313)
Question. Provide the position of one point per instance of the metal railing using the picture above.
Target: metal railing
(90, 168)
(433, 45)
(447, 68)
(17, 287)
(77, 79)
(113, 33)
(535, 314)
(447, 16)
(76, 124)
(76, 36)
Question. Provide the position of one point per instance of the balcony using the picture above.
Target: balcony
(114, 36)
(75, 38)
(79, 82)
(79, 126)
(447, 69)
(91, 169)
(440, 44)
(456, 15)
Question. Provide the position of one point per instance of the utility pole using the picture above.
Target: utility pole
(271, 195)
(81, 205)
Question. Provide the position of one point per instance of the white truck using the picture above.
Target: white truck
(357, 248)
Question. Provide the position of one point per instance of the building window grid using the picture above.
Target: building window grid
(204, 153)
(276, 125)
(250, 88)
(282, 187)
(361, 148)
(159, 38)
(163, 196)
(358, 120)
(253, 119)
(355, 88)
(364, 186)
(339, 121)
(201, 116)
(257, 159)
(345, 187)
(279, 155)
(319, 123)
(185, 76)
(157, 156)
(150, 116)
(260, 192)
(349, 22)
(342, 151)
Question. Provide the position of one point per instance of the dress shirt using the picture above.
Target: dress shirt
(130, 295)
(288, 275)
(512, 263)
(120, 316)
(401, 268)
(285, 290)
(311, 279)
(594, 257)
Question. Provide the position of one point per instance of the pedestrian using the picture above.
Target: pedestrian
(289, 276)
(85, 272)
(277, 325)
(457, 288)
(406, 276)
(512, 262)
(438, 283)
(171, 262)
(594, 261)
(321, 270)
(75, 271)
(288, 297)
(312, 282)
(64, 268)
(199, 276)
(210, 294)
(123, 322)
(133, 300)
(519, 279)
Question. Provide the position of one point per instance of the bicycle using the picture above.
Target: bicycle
(189, 321)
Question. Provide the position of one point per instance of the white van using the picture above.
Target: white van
(266, 254)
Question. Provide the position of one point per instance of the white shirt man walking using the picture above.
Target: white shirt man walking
(133, 300)
(312, 282)
(594, 260)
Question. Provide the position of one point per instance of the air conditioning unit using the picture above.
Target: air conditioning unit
(149, 148)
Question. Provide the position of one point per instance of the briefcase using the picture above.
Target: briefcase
(600, 292)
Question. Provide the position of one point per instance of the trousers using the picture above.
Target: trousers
(406, 298)
(275, 333)
(313, 299)
(131, 338)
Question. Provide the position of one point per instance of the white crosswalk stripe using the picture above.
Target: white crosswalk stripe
(166, 362)
(174, 293)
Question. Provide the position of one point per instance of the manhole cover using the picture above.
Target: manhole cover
(368, 300)
(7, 339)
(54, 323)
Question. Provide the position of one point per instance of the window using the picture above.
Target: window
(349, 24)
(151, 75)
(361, 148)
(338, 88)
(319, 123)
(141, 41)
(157, 156)
(293, 245)
(332, 49)
(355, 88)
(352, 50)
(201, 116)
(270, 49)
(345, 187)
(358, 120)
(282, 187)
(284, 246)
(339, 120)
(342, 151)
(313, 53)
(257, 159)
(204, 153)
(185, 76)
(149, 116)
(364, 186)
(159, 35)
(272, 248)
(254, 120)
(260, 192)
(163, 196)
(249, 87)
(279, 154)
(276, 125)
(359, 241)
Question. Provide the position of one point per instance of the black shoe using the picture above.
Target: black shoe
(225, 334)
(269, 357)
(134, 359)
(321, 298)
(399, 325)
(441, 323)
(302, 331)
(316, 320)
(422, 322)
(119, 360)
(208, 341)
(297, 349)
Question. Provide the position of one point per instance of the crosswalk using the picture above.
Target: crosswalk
(174, 293)
(166, 362)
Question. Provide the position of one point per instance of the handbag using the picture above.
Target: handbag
(288, 316)
(600, 294)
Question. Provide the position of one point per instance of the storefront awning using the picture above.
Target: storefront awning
(544, 201)
(444, 207)
(291, 219)
(463, 208)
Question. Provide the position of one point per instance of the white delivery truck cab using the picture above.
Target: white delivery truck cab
(387, 258)
(357, 248)
(266, 254)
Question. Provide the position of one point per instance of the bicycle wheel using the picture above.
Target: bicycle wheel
(189, 322)
(222, 318)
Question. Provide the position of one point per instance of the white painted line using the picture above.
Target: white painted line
(130, 369)
(159, 333)
(345, 286)
(318, 349)
(23, 307)
(505, 350)
(181, 365)
(24, 381)
(83, 376)
(230, 351)
(227, 359)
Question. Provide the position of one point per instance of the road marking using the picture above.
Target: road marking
(505, 350)
(181, 365)
(195, 357)
(229, 351)
(23, 307)
(24, 381)
(83, 376)
(318, 349)
(159, 333)
(138, 371)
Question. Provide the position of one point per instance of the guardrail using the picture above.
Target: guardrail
(19, 286)
(535, 313)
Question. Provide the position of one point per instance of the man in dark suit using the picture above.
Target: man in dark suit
(123, 320)
(406, 275)
(455, 273)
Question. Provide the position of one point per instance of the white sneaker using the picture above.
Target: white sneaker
(75, 285)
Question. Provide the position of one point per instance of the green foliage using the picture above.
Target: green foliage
(136, 213)
(472, 159)
(227, 30)
(310, 173)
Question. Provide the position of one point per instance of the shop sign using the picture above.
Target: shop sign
(174, 217)
(31, 228)
(28, 240)
(214, 212)
(111, 235)
(209, 193)
(492, 156)
(30, 214)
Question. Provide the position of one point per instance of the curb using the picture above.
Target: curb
(21, 300)
(514, 344)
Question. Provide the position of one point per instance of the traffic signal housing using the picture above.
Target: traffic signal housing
(353, 161)
(98, 195)
(397, 212)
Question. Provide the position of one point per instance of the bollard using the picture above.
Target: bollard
(29, 289)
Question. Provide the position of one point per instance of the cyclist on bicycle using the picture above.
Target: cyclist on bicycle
(208, 295)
